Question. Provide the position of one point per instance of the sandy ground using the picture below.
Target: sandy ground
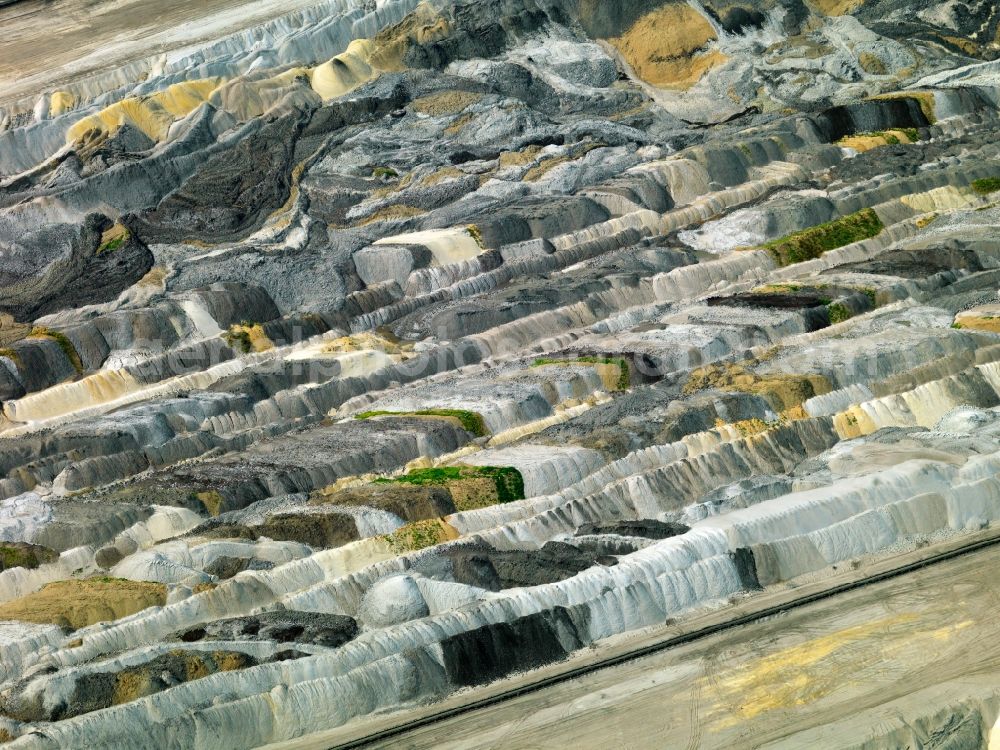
(45, 43)
(753, 685)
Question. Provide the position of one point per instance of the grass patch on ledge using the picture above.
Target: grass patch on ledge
(784, 391)
(754, 426)
(476, 234)
(13, 356)
(813, 242)
(508, 480)
(395, 212)
(211, 501)
(923, 98)
(624, 378)
(838, 313)
(445, 103)
(27, 556)
(471, 421)
(986, 185)
(113, 239)
(415, 536)
(40, 332)
(238, 340)
(247, 337)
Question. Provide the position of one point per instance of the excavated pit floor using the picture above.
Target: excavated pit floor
(830, 674)
(394, 347)
(47, 43)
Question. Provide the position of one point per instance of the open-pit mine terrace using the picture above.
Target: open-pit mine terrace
(363, 359)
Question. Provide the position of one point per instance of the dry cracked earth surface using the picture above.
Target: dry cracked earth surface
(359, 358)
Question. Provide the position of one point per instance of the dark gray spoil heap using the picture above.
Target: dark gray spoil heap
(285, 626)
(480, 565)
(94, 690)
(645, 528)
(58, 266)
(491, 652)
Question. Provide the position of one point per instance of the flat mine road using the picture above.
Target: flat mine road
(782, 667)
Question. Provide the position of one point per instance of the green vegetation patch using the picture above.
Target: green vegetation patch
(20, 555)
(211, 501)
(39, 332)
(812, 243)
(925, 99)
(384, 173)
(238, 340)
(508, 480)
(624, 378)
(839, 313)
(114, 243)
(470, 420)
(986, 185)
(13, 356)
(476, 234)
(415, 536)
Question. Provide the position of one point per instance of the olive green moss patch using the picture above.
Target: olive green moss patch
(470, 420)
(624, 379)
(812, 243)
(986, 185)
(508, 481)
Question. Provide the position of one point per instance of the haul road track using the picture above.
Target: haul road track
(467, 719)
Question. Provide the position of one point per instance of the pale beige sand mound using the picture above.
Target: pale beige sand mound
(78, 603)
(837, 7)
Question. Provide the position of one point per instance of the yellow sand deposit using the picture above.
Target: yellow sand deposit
(665, 47)
(985, 318)
(344, 72)
(442, 175)
(249, 338)
(366, 341)
(60, 103)
(211, 501)
(363, 60)
(867, 141)
(795, 676)
(519, 158)
(445, 102)
(153, 114)
(424, 25)
(872, 64)
(837, 7)
(391, 213)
